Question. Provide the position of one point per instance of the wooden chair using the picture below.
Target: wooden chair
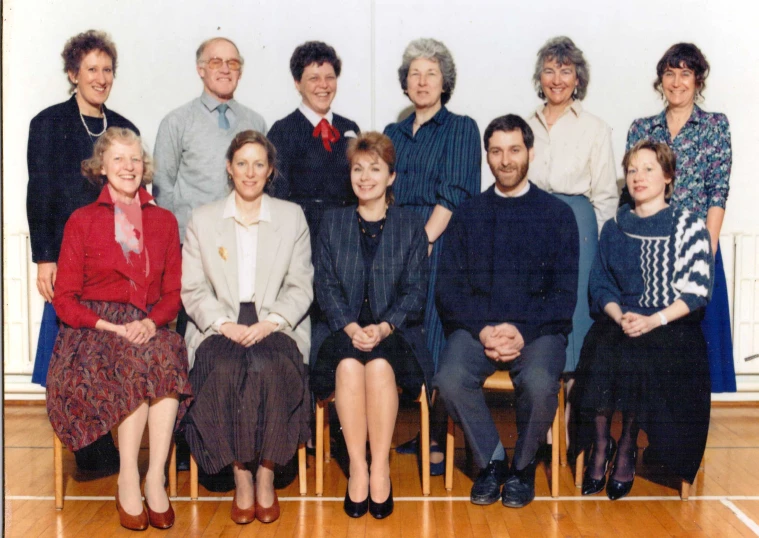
(194, 473)
(684, 486)
(323, 443)
(58, 472)
(501, 380)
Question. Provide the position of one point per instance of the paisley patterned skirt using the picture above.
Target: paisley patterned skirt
(97, 378)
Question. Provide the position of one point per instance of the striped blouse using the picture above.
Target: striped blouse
(438, 166)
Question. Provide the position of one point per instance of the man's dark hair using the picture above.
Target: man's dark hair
(508, 123)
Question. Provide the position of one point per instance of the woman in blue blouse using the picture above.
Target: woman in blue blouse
(645, 355)
(701, 143)
(438, 166)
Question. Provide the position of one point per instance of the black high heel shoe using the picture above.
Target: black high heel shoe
(616, 489)
(383, 509)
(591, 486)
(354, 509)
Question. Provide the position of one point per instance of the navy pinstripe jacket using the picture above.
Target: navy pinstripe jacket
(399, 275)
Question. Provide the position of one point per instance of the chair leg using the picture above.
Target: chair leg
(562, 426)
(320, 434)
(173, 470)
(58, 471)
(450, 440)
(193, 478)
(684, 491)
(302, 469)
(326, 434)
(555, 453)
(579, 464)
(425, 444)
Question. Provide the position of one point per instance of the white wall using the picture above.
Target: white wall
(494, 44)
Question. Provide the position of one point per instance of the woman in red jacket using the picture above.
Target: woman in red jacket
(115, 361)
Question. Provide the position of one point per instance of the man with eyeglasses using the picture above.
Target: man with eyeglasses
(193, 139)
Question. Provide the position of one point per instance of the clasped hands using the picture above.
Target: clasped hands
(247, 335)
(137, 331)
(503, 343)
(367, 338)
(634, 325)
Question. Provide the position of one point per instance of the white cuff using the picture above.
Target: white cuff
(216, 325)
(279, 321)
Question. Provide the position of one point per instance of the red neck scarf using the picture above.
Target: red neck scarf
(328, 133)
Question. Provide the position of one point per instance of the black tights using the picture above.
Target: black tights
(624, 464)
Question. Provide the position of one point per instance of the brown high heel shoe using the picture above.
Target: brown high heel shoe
(164, 520)
(128, 521)
(270, 514)
(243, 516)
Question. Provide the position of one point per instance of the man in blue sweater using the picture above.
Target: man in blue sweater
(506, 291)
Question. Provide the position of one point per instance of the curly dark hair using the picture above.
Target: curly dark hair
(679, 55)
(313, 52)
(81, 45)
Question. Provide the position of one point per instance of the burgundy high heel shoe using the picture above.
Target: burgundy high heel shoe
(128, 521)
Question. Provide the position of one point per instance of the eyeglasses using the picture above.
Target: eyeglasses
(215, 63)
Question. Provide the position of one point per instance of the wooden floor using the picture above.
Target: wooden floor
(724, 502)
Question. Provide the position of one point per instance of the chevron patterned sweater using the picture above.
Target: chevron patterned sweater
(646, 264)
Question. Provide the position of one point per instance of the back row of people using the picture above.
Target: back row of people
(436, 166)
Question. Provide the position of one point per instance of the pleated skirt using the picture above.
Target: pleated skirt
(661, 376)
(97, 378)
(251, 403)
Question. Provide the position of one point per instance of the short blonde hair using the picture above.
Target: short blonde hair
(91, 168)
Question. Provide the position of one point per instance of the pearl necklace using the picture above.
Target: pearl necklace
(94, 135)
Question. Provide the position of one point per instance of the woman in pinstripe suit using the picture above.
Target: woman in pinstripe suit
(371, 282)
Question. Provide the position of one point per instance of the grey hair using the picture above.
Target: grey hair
(564, 52)
(204, 45)
(430, 49)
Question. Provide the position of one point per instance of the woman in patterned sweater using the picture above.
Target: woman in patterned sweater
(645, 355)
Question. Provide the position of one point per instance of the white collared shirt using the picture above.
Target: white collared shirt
(312, 116)
(247, 252)
(576, 157)
(516, 195)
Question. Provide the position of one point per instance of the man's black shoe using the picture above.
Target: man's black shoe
(487, 488)
(519, 489)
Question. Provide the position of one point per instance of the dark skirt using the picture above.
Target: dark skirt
(251, 403)
(716, 327)
(661, 376)
(587, 226)
(97, 378)
(395, 349)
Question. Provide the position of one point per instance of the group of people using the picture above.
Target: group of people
(317, 259)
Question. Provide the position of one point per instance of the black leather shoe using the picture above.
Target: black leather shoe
(591, 486)
(519, 489)
(383, 509)
(355, 509)
(616, 489)
(487, 488)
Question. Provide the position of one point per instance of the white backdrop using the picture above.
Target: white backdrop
(494, 45)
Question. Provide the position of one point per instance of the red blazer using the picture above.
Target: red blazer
(92, 267)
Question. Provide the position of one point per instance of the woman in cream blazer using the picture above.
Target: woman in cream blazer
(248, 258)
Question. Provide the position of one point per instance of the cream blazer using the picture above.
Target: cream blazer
(283, 280)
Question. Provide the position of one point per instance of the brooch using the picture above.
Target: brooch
(223, 253)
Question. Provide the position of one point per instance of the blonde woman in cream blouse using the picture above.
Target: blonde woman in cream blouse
(573, 160)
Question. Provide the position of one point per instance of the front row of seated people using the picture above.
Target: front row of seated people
(506, 292)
